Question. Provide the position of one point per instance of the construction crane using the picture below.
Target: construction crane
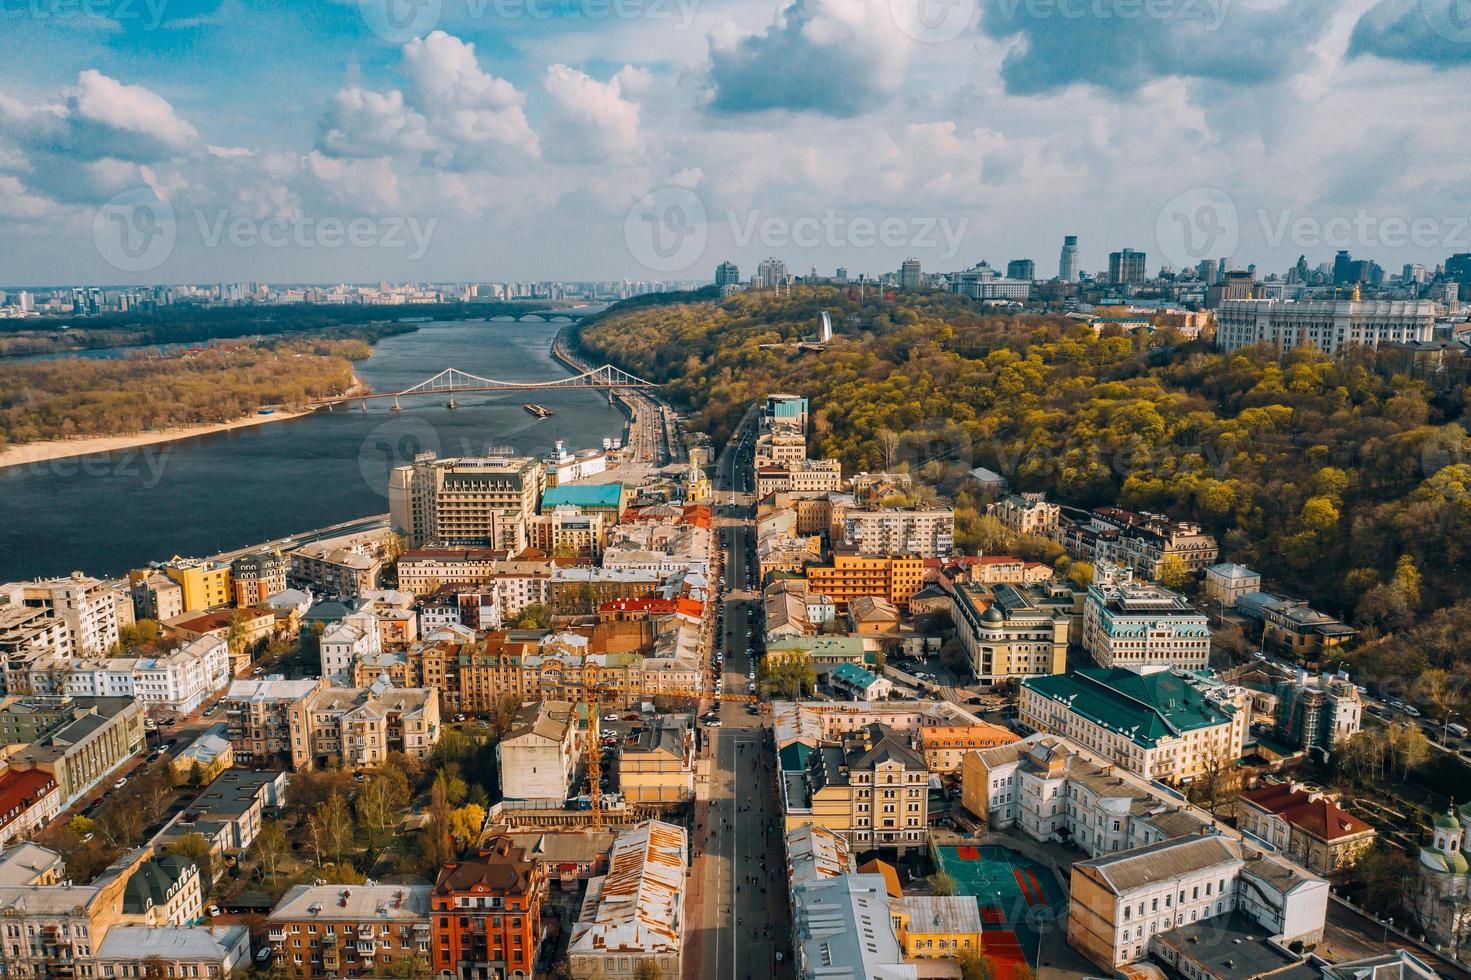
(589, 686)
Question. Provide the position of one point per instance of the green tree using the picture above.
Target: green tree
(331, 828)
(941, 883)
(465, 824)
(789, 676)
(536, 616)
(270, 847)
(196, 777)
(1172, 572)
(196, 848)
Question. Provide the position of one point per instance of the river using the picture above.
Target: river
(108, 513)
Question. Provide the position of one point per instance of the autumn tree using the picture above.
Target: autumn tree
(270, 847)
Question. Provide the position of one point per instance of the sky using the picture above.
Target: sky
(178, 141)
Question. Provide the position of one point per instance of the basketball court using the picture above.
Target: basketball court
(1019, 900)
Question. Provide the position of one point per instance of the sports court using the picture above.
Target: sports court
(1019, 900)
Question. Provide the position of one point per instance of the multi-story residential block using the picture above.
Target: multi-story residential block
(156, 597)
(929, 533)
(1291, 625)
(1310, 828)
(850, 575)
(29, 800)
(257, 577)
(1026, 513)
(352, 930)
(570, 531)
(270, 720)
(424, 570)
(1158, 723)
(658, 768)
(487, 913)
(86, 607)
(1227, 582)
(1149, 544)
(580, 591)
(329, 567)
(357, 727)
(242, 629)
(1011, 631)
(779, 446)
(164, 891)
(801, 476)
(658, 549)
(466, 502)
(206, 584)
(1128, 624)
(538, 756)
(1326, 325)
(1003, 570)
(1118, 902)
(176, 682)
(90, 738)
(871, 787)
(632, 918)
(355, 637)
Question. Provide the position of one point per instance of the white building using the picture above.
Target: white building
(86, 607)
(180, 681)
(537, 757)
(1328, 325)
(343, 643)
(1128, 624)
(633, 916)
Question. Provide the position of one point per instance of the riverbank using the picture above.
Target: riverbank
(41, 452)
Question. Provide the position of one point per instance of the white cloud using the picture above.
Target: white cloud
(592, 121)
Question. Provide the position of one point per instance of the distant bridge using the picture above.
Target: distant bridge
(453, 381)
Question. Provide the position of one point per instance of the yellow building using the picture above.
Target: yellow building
(850, 576)
(205, 584)
(932, 927)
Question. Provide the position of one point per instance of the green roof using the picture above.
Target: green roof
(605, 495)
(851, 647)
(794, 757)
(853, 674)
(1145, 707)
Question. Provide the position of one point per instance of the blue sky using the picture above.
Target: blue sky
(355, 140)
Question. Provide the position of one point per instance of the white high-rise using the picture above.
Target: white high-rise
(1067, 267)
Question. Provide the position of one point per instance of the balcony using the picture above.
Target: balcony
(277, 934)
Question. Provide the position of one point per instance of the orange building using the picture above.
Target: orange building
(487, 913)
(850, 575)
(946, 745)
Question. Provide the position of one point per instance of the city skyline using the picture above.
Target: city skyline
(509, 141)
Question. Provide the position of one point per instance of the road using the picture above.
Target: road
(737, 908)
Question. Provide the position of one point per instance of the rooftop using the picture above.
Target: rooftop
(638, 905)
(187, 944)
(603, 495)
(1164, 860)
(392, 903)
(1146, 707)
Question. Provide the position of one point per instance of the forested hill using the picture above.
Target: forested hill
(1321, 473)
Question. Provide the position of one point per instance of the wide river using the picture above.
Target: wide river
(106, 514)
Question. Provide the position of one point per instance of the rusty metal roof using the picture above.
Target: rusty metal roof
(637, 907)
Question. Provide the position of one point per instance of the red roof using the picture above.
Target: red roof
(20, 789)
(1322, 817)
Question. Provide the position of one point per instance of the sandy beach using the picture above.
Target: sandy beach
(40, 452)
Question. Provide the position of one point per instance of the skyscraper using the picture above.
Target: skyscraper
(727, 274)
(1125, 267)
(769, 273)
(910, 275)
(1021, 269)
(1067, 268)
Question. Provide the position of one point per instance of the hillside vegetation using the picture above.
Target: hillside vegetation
(1344, 480)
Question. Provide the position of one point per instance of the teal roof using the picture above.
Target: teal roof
(1452, 862)
(605, 495)
(1145, 707)
(853, 674)
(793, 758)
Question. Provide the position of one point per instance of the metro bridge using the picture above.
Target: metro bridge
(453, 381)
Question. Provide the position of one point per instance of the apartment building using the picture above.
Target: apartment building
(205, 584)
(1227, 582)
(538, 756)
(632, 918)
(228, 812)
(1011, 631)
(352, 930)
(357, 727)
(872, 787)
(332, 568)
(1310, 828)
(945, 746)
(255, 578)
(850, 575)
(1119, 902)
(177, 682)
(466, 502)
(423, 570)
(86, 607)
(1163, 724)
(934, 927)
(1148, 543)
(779, 447)
(176, 951)
(487, 913)
(1128, 624)
(270, 720)
(156, 597)
(580, 591)
(1003, 570)
(926, 532)
(801, 476)
(355, 637)
(1325, 325)
(1026, 513)
(29, 800)
(570, 531)
(843, 925)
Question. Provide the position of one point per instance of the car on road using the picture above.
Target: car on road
(610, 717)
(1411, 710)
(120, 783)
(213, 910)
